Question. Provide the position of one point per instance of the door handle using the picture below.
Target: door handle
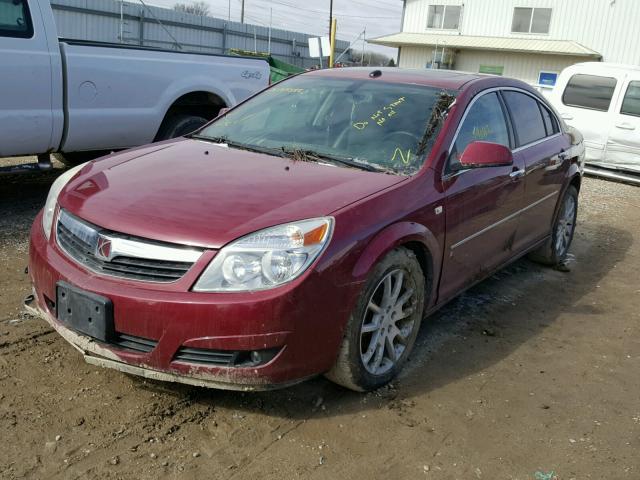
(566, 116)
(517, 174)
(625, 126)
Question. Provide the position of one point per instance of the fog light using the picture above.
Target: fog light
(256, 357)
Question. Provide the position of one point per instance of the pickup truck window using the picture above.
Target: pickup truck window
(631, 103)
(589, 91)
(377, 123)
(15, 20)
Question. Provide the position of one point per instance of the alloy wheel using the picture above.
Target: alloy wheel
(566, 224)
(388, 322)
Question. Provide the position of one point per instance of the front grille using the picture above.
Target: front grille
(81, 247)
(137, 344)
(222, 358)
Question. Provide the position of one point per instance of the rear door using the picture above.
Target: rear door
(542, 145)
(482, 204)
(623, 144)
(586, 103)
(26, 117)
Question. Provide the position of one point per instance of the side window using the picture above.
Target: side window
(589, 91)
(484, 121)
(526, 116)
(550, 122)
(631, 102)
(15, 20)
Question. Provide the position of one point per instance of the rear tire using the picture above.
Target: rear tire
(383, 326)
(555, 249)
(179, 125)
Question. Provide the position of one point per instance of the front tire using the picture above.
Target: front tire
(384, 324)
(555, 250)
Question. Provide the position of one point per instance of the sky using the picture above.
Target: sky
(379, 17)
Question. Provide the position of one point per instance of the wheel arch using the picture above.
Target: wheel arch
(412, 236)
(203, 103)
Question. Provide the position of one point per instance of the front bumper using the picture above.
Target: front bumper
(303, 321)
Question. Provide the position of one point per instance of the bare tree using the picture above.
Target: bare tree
(194, 8)
(372, 59)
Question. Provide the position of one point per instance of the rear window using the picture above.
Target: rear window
(526, 116)
(15, 20)
(589, 91)
(631, 102)
(550, 122)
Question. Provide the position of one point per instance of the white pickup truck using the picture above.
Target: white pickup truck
(70, 96)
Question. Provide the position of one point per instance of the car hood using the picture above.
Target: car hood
(201, 194)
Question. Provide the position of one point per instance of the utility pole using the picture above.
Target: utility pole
(332, 40)
(229, 10)
(270, 22)
(364, 40)
(330, 17)
(242, 13)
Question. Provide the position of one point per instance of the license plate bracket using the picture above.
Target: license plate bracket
(85, 312)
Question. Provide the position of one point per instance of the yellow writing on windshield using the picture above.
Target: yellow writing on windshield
(381, 116)
(399, 154)
(287, 90)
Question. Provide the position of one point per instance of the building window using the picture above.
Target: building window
(531, 20)
(444, 17)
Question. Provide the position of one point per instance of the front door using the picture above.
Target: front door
(26, 116)
(482, 204)
(623, 144)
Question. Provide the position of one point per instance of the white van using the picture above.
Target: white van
(602, 100)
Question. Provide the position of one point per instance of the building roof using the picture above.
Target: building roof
(506, 44)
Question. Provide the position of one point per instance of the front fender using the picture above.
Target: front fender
(396, 235)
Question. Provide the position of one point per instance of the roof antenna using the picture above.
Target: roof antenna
(375, 74)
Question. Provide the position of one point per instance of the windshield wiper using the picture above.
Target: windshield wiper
(240, 146)
(346, 161)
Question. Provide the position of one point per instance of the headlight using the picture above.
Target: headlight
(52, 198)
(267, 258)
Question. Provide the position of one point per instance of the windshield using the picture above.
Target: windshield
(381, 126)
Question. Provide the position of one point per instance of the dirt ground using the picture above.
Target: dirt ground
(533, 374)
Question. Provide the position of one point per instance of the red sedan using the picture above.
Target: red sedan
(307, 231)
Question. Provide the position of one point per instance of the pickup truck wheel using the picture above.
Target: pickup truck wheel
(383, 326)
(76, 158)
(179, 125)
(555, 250)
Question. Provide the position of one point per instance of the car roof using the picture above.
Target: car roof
(448, 79)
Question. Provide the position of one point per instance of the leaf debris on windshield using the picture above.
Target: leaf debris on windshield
(438, 114)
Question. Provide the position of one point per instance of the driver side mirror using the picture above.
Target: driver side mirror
(486, 154)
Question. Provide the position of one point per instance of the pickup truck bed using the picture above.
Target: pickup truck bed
(69, 96)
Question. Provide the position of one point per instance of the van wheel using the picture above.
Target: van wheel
(555, 250)
(179, 125)
(383, 326)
